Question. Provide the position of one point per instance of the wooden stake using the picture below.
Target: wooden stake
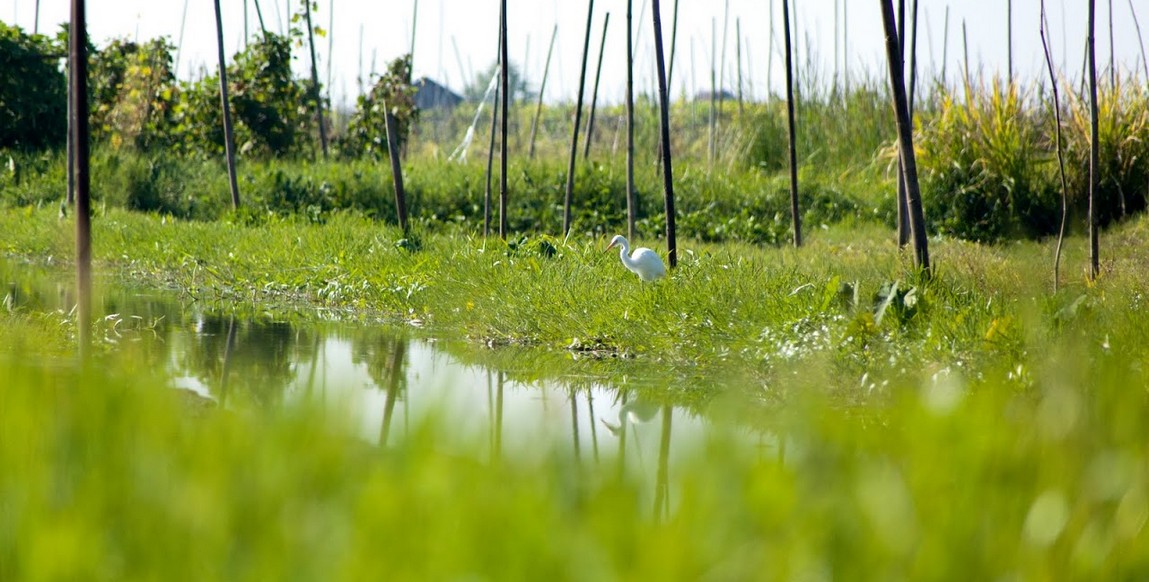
(667, 173)
(795, 215)
(1009, 40)
(78, 50)
(945, 44)
(712, 138)
(738, 61)
(1044, 25)
(396, 168)
(673, 46)
(228, 132)
(1140, 41)
(542, 89)
(491, 147)
(506, 92)
(902, 206)
(594, 93)
(315, 95)
(1094, 147)
(577, 121)
(905, 139)
(631, 200)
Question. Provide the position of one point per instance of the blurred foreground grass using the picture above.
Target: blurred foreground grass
(109, 475)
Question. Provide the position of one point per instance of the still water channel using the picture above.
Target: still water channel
(385, 381)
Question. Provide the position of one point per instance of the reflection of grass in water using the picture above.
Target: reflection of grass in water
(108, 475)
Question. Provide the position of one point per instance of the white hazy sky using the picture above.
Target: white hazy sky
(383, 29)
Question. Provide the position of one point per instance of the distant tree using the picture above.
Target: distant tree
(33, 90)
(367, 130)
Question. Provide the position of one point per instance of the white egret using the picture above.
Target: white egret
(643, 262)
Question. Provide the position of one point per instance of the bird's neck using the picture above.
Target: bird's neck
(624, 252)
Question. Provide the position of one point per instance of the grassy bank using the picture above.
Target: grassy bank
(844, 302)
(109, 476)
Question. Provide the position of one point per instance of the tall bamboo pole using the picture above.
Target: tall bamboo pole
(712, 137)
(228, 132)
(965, 58)
(414, 27)
(180, 42)
(542, 89)
(738, 61)
(797, 45)
(664, 109)
(258, 16)
(594, 93)
(494, 131)
(396, 167)
(673, 46)
(505, 83)
(722, 74)
(330, 46)
(631, 201)
(1140, 40)
(837, 50)
(70, 144)
(905, 138)
(795, 215)
(1009, 40)
(577, 121)
(78, 51)
(1044, 25)
(845, 49)
(1094, 150)
(1112, 50)
(903, 208)
(913, 57)
(945, 44)
(315, 95)
(770, 56)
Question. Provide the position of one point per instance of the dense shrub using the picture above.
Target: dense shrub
(367, 130)
(985, 168)
(33, 90)
(133, 93)
(271, 113)
(1123, 141)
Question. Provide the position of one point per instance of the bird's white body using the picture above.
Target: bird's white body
(642, 262)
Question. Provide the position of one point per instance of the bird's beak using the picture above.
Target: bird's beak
(609, 246)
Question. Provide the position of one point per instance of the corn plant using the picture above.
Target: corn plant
(1123, 138)
(986, 166)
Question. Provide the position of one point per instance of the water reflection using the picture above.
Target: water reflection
(385, 384)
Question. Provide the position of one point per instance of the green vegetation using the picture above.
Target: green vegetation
(972, 424)
(760, 313)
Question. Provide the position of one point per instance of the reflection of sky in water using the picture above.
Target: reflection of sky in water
(537, 418)
(463, 399)
(279, 364)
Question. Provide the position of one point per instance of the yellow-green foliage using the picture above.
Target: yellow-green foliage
(984, 168)
(1123, 143)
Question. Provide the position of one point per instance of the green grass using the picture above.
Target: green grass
(763, 313)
